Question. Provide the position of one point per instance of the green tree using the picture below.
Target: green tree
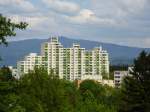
(40, 92)
(97, 98)
(92, 89)
(7, 28)
(136, 88)
(8, 97)
(5, 74)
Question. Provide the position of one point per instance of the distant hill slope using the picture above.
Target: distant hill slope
(18, 49)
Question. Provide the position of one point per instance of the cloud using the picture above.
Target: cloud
(125, 22)
(118, 9)
(143, 42)
(108, 13)
(146, 42)
(87, 16)
(33, 21)
(18, 5)
(62, 6)
(132, 6)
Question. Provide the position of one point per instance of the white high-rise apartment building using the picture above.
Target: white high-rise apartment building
(53, 53)
(29, 62)
(68, 63)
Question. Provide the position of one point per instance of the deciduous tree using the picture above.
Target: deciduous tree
(8, 28)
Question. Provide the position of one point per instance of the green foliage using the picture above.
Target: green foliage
(136, 88)
(39, 92)
(44, 92)
(98, 98)
(8, 97)
(105, 75)
(7, 28)
(5, 74)
(91, 88)
(118, 67)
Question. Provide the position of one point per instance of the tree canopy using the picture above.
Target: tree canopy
(7, 28)
(39, 92)
(136, 88)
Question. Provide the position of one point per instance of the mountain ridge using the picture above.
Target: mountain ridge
(81, 40)
(18, 49)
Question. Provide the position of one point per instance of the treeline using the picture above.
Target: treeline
(40, 92)
(118, 67)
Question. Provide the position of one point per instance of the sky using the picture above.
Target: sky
(123, 22)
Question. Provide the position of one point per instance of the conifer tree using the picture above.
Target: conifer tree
(136, 88)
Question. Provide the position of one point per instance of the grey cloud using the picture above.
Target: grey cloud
(116, 21)
(15, 6)
(62, 6)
